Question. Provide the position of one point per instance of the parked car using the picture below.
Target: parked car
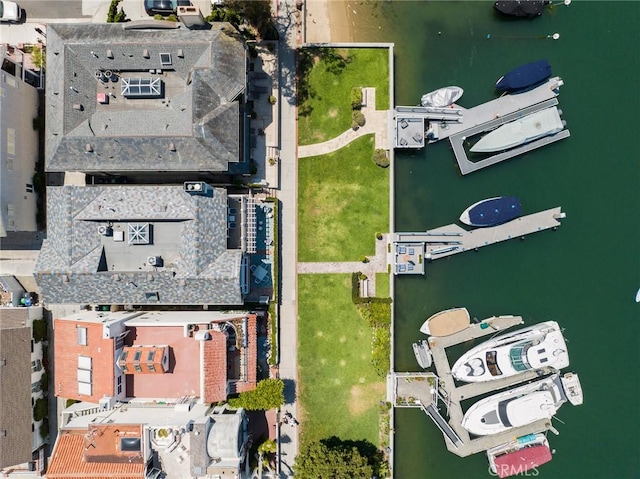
(10, 12)
(164, 7)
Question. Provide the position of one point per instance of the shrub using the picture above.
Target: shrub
(364, 259)
(272, 100)
(356, 98)
(114, 15)
(157, 16)
(44, 382)
(44, 429)
(70, 402)
(269, 446)
(268, 394)
(172, 18)
(378, 236)
(40, 409)
(381, 158)
(358, 118)
(39, 328)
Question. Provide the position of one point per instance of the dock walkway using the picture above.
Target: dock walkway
(447, 240)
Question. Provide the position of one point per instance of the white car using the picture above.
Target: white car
(10, 12)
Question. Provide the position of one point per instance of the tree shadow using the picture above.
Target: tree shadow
(289, 391)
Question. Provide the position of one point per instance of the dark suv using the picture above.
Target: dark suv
(164, 7)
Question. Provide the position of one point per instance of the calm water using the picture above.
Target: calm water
(586, 274)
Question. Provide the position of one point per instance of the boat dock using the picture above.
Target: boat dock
(410, 123)
(412, 250)
(459, 124)
(423, 390)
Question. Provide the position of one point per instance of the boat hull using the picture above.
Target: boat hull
(446, 322)
(442, 97)
(524, 77)
(515, 407)
(519, 456)
(521, 8)
(526, 129)
(537, 347)
(492, 211)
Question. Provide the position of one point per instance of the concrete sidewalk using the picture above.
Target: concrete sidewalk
(288, 20)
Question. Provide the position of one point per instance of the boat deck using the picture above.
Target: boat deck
(452, 239)
(454, 395)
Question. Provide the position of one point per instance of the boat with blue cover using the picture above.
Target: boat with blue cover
(521, 8)
(524, 77)
(492, 211)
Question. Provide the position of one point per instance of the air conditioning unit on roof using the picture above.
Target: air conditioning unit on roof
(105, 230)
(154, 261)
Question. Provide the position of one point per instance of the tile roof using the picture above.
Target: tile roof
(199, 112)
(78, 264)
(15, 401)
(67, 350)
(70, 461)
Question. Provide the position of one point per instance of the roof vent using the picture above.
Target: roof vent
(172, 147)
(109, 54)
(180, 53)
(88, 148)
(105, 230)
(145, 53)
(78, 107)
(154, 261)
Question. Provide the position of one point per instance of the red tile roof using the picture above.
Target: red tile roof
(78, 454)
(67, 350)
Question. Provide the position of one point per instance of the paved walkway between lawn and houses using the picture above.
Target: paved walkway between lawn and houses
(376, 264)
(375, 122)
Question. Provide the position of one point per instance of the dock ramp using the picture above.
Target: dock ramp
(443, 425)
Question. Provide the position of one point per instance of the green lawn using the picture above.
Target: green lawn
(339, 389)
(382, 285)
(343, 200)
(325, 111)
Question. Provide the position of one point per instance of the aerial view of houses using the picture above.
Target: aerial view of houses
(218, 251)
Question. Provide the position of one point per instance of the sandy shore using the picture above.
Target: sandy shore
(328, 21)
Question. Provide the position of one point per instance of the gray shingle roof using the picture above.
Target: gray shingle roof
(199, 112)
(15, 389)
(79, 264)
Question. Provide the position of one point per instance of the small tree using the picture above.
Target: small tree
(358, 118)
(114, 15)
(39, 330)
(268, 394)
(334, 459)
(268, 447)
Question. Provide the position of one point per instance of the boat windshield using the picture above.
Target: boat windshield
(492, 365)
(518, 356)
(502, 412)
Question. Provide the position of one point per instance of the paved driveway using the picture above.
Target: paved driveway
(41, 9)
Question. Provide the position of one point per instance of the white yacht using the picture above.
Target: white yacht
(519, 406)
(539, 346)
(528, 128)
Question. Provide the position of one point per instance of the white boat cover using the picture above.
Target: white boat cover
(442, 98)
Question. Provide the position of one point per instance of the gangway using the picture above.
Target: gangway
(443, 425)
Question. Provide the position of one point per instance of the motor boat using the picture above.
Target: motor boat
(521, 8)
(492, 211)
(523, 454)
(442, 97)
(538, 400)
(536, 347)
(423, 353)
(524, 130)
(446, 322)
(524, 77)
